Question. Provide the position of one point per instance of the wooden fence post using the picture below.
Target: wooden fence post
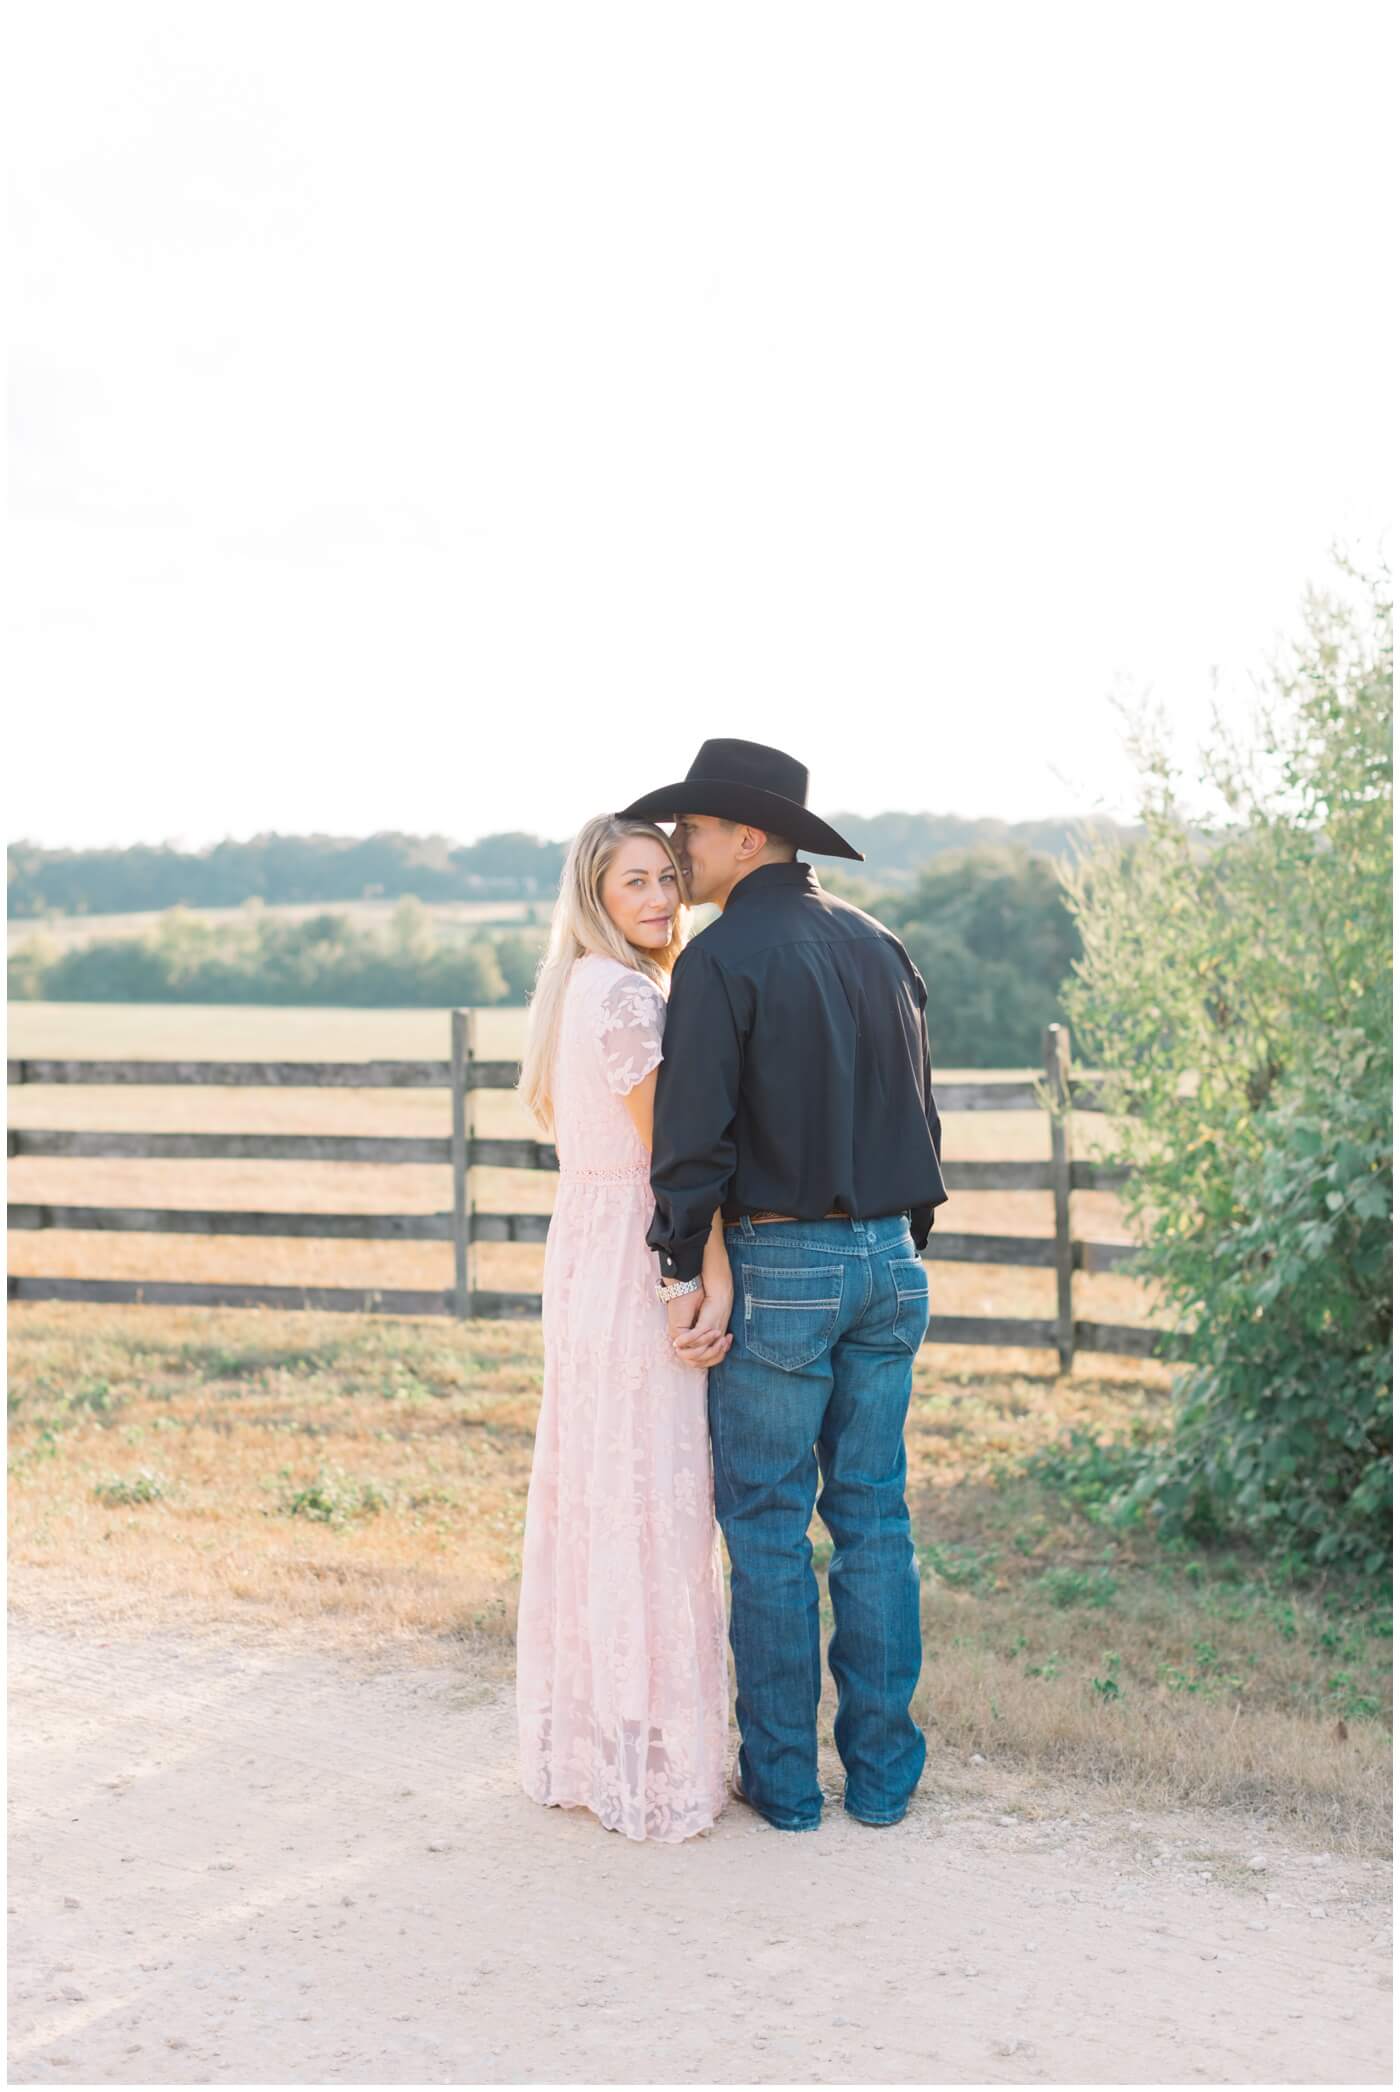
(472, 1094)
(463, 1131)
(1057, 1077)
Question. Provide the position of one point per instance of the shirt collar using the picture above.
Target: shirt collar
(793, 874)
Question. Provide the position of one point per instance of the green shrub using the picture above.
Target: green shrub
(1238, 996)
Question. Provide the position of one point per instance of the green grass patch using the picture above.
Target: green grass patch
(331, 1498)
(1067, 1586)
(1029, 1566)
(145, 1486)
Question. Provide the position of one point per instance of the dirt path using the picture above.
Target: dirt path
(272, 1866)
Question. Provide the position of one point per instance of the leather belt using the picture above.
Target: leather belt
(794, 1217)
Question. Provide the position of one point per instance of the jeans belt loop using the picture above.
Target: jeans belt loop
(747, 1229)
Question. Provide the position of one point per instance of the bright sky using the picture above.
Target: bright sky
(442, 417)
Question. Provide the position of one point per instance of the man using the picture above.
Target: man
(795, 1097)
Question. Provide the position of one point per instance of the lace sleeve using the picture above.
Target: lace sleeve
(630, 1021)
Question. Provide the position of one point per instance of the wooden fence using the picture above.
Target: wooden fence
(465, 1074)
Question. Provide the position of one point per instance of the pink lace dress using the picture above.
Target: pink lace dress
(622, 1682)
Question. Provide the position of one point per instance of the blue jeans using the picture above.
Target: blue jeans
(828, 1318)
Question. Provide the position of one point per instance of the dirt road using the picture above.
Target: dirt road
(265, 1863)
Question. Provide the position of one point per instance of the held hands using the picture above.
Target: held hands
(699, 1325)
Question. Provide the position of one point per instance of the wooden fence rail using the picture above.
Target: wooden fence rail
(463, 1152)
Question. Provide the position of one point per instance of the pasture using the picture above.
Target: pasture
(67, 932)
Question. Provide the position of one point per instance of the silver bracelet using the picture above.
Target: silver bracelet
(672, 1288)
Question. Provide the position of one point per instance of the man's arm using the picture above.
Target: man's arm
(697, 1097)
(921, 1217)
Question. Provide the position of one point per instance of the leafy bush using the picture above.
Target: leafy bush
(1238, 994)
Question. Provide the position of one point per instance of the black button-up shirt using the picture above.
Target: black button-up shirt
(795, 1076)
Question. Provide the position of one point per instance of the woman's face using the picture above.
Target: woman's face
(641, 894)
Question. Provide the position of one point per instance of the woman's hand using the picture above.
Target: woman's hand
(707, 1340)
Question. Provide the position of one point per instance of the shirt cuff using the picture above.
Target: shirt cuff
(686, 1260)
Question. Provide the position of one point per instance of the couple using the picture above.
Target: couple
(754, 1112)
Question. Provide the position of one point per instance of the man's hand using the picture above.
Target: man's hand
(708, 1338)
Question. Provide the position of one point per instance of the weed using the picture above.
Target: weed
(961, 1567)
(1065, 1587)
(96, 1398)
(405, 1386)
(1350, 1702)
(334, 1498)
(1107, 1688)
(143, 1487)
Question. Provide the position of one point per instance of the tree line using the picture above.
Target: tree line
(281, 870)
(301, 869)
(989, 929)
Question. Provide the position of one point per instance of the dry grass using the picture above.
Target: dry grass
(235, 1412)
(368, 1477)
(1158, 1676)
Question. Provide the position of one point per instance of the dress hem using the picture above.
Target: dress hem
(564, 1801)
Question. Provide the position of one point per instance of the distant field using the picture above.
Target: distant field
(162, 1031)
(68, 931)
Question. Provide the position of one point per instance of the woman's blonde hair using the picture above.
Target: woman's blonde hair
(580, 923)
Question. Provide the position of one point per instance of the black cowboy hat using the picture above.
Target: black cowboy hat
(744, 781)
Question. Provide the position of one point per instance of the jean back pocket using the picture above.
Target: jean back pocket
(790, 1312)
(910, 1307)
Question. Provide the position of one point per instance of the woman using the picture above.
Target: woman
(622, 1681)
